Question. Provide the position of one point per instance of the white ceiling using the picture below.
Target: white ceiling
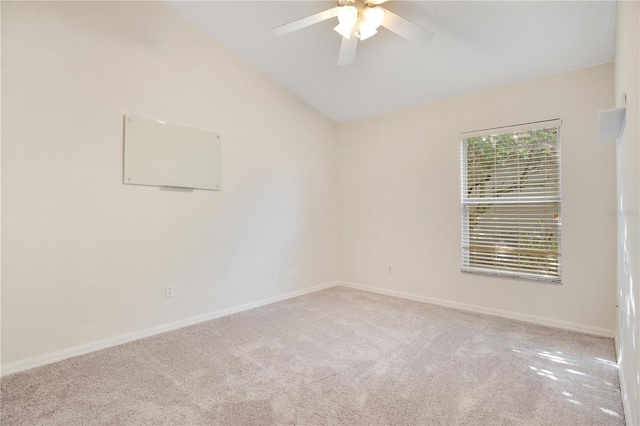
(477, 45)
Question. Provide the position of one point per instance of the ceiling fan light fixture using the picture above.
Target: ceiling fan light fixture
(347, 17)
(373, 16)
(360, 18)
(366, 31)
(344, 30)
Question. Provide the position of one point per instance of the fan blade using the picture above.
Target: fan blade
(305, 22)
(348, 50)
(406, 29)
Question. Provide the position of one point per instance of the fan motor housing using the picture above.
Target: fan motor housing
(359, 4)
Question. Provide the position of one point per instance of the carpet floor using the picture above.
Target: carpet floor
(335, 357)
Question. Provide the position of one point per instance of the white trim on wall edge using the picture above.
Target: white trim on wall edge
(40, 360)
(587, 329)
(628, 417)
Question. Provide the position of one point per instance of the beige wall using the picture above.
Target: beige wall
(627, 75)
(400, 200)
(86, 257)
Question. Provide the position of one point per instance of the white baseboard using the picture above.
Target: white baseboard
(587, 329)
(37, 361)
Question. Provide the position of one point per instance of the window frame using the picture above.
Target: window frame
(513, 200)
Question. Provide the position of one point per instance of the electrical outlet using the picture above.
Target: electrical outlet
(168, 291)
(389, 269)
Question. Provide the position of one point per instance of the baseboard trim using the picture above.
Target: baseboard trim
(40, 360)
(581, 328)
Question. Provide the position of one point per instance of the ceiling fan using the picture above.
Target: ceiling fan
(359, 20)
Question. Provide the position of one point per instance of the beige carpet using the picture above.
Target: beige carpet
(335, 357)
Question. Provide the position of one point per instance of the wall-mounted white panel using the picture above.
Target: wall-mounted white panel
(161, 154)
(610, 123)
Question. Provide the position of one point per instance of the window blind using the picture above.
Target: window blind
(511, 215)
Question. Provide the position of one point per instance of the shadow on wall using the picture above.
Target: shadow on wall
(269, 230)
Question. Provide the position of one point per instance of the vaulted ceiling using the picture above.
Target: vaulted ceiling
(477, 45)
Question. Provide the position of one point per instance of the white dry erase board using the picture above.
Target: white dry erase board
(161, 154)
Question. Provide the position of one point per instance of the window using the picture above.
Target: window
(511, 201)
